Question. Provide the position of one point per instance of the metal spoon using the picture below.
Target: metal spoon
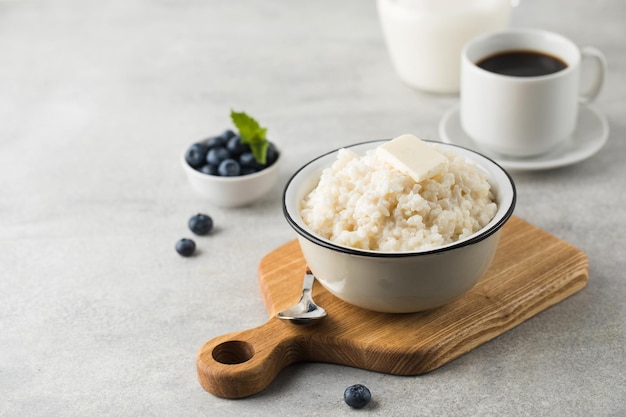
(306, 311)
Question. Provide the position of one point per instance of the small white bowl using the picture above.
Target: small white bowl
(232, 191)
(398, 282)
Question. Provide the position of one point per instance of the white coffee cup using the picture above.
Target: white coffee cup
(424, 38)
(525, 116)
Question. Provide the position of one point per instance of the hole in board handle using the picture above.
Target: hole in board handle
(233, 352)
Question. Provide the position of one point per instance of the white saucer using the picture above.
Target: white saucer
(592, 132)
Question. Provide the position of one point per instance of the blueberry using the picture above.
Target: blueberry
(236, 147)
(209, 169)
(200, 224)
(196, 154)
(216, 141)
(185, 247)
(216, 155)
(272, 154)
(227, 134)
(229, 168)
(357, 396)
(249, 170)
(246, 160)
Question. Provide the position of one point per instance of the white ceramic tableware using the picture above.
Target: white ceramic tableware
(589, 137)
(232, 191)
(424, 38)
(524, 116)
(398, 282)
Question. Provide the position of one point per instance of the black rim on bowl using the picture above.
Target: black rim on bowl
(482, 234)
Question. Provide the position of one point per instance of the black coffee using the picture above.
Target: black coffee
(522, 63)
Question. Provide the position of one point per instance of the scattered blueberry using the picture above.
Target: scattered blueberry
(185, 247)
(196, 154)
(216, 155)
(229, 168)
(201, 224)
(357, 396)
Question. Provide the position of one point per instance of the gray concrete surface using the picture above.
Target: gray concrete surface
(98, 314)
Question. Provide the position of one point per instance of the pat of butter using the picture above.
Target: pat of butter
(412, 156)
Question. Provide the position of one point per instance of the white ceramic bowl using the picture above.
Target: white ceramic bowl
(398, 282)
(232, 191)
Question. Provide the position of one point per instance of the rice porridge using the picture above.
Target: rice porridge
(363, 202)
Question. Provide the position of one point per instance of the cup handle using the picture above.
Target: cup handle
(589, 52)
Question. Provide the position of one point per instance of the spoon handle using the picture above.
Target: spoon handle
(243, 363)
(309, 279)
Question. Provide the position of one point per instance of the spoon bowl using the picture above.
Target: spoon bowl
(305, 311)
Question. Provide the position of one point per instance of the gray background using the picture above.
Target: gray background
(100, 316)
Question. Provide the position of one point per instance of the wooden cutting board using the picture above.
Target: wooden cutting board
(532, 270)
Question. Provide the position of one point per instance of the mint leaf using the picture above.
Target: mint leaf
(251, 133)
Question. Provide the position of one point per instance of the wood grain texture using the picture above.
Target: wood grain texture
(532, 270)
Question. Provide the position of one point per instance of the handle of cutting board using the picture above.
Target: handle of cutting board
(244, 363)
